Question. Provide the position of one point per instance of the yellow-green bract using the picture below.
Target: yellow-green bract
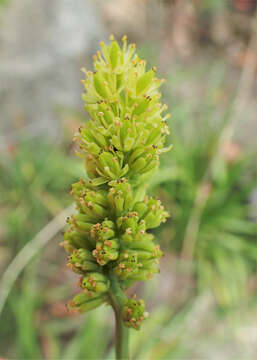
(121, 144)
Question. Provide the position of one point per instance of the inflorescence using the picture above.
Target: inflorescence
(121, 145)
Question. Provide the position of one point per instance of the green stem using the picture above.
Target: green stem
(117, 298)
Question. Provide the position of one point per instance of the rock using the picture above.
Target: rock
(43, 45)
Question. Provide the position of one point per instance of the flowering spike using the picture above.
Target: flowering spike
(121, 145)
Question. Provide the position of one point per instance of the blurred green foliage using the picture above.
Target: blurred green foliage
(3, 2)
(224, 252)
(35, 177)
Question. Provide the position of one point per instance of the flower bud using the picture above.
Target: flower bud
(133, 313)
(107, 246)
(76, 239)
(106, 251)
(95, 283)
(83, 303)
(82, 261)
(153, 212)
(120, 196)
(127, 265)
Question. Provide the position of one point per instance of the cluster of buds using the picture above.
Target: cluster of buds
(121, 145)
(134, 313)
(107, 246)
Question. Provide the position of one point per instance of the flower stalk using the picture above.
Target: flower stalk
(108, 240)
(117, 299)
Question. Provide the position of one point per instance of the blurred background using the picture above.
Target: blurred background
(203, 305)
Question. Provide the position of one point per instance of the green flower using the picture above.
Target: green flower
(121, 144)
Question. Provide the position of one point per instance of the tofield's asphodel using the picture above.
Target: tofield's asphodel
(108, 240)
